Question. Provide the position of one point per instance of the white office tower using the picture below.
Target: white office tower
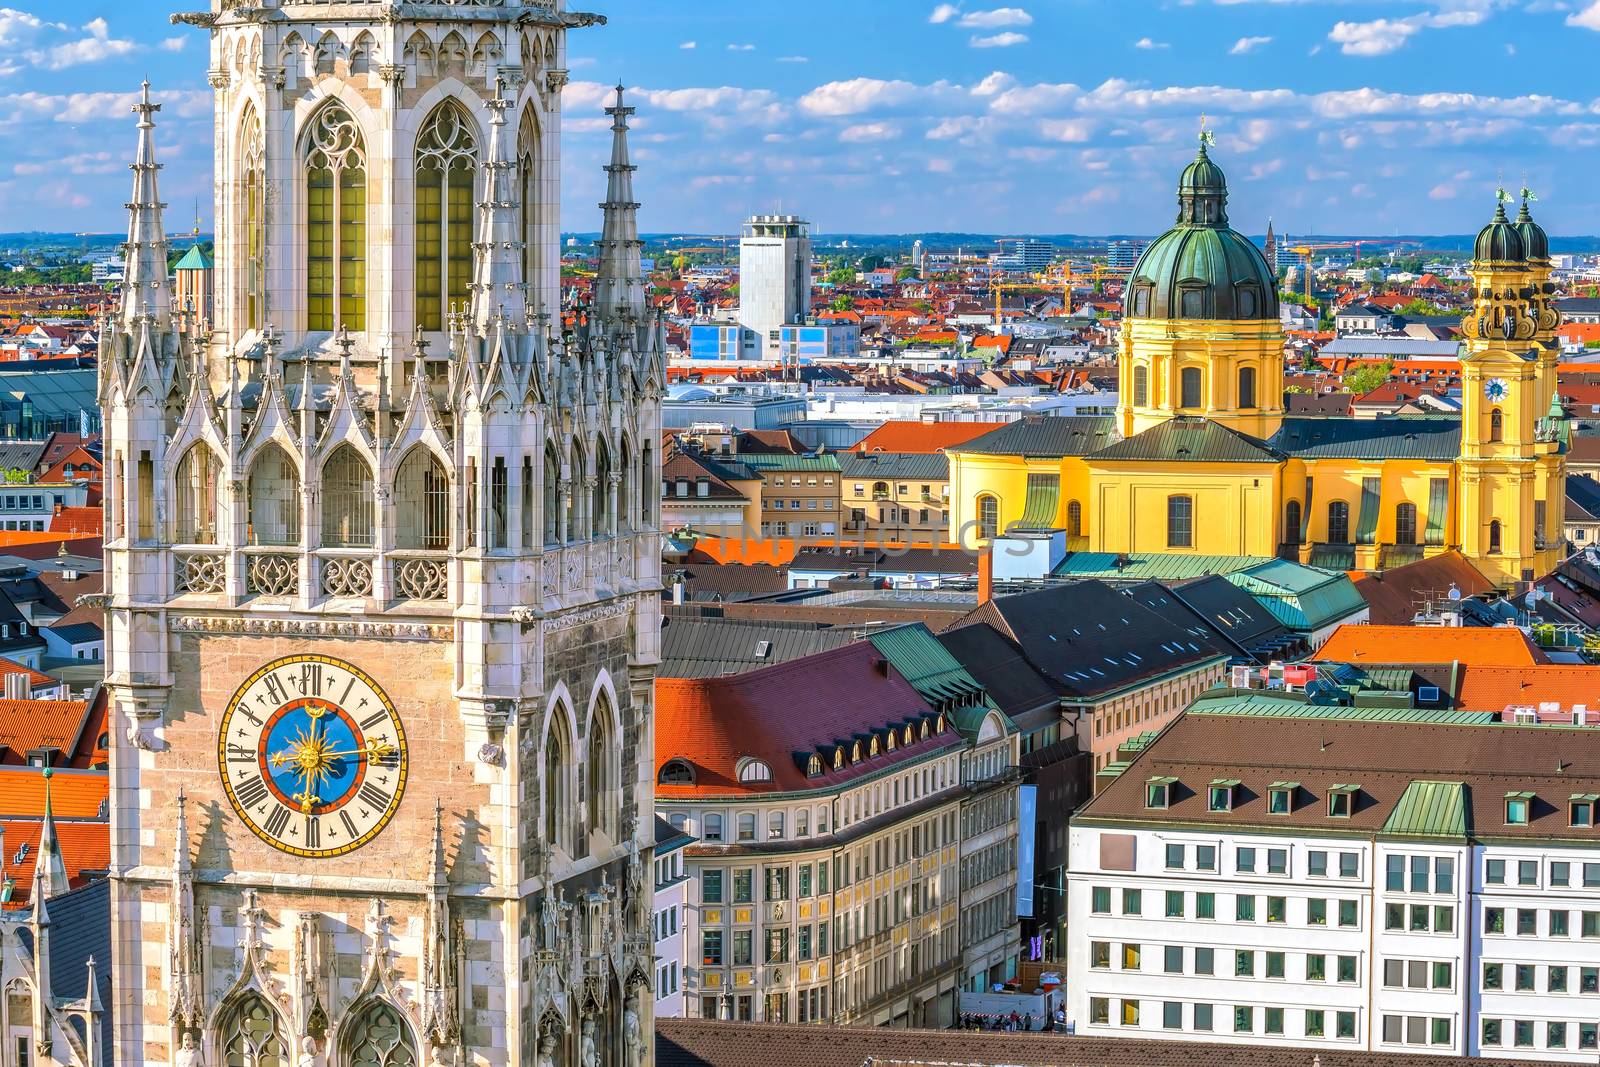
(774, 276)
(918, 255)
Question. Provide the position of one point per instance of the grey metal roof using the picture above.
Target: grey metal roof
(20, 455)
(1046, 435)
(80, 927)
(1425, 437)
(933, 467)
(711, 648)
(1187, 439)
(1390, 346)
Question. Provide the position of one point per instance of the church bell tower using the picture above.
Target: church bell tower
(383, 566)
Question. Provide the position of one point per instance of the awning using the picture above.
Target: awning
(1044, 500)
(1438, 511)
(1371, 502)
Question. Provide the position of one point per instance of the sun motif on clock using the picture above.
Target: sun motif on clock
(313, 756)
(1494, 389)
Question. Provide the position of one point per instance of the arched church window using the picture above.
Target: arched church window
(422, 503)
(196, 497)
(557, 798)
(528, 178)
(603, 784)
(1074, 518)
(274, 499)
(1247, 387)
(1189, 391)
(1180, 522)
(1494, 537)
(1338, 522)
(1141, 386)
(336, 222)
(552, 495)
(988, 516)
(1496, 425)
(347, 500)
(600, 495)
(378, 1037)
(625, 515)
(1405, 523)
(253, 219)
(575, 497)
(446, 168)
(1291, 523)
(251, 1036)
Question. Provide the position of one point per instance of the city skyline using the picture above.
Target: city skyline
(1046, 117)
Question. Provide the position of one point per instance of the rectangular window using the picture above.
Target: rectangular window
(1349, 913)
(1522, 1033)
(1100, 954)
(1244, 963)
(1419, 874)
(1132, 901)
(1494, 872)
(1394, 874)
(1205, 905)
(1494, 975)
(1555, 1035)
(1556, 980)
(1345, 1024)
(711, 948)
(1172, 959)
(1494, 920)
(744, 885)
(747, 826)
(1245, 860)
(499, 504)
(1174, 904)
(1244, 1020)
(743, 948)
(1316, 912)
(1560, 873)
(1275, 963)
(1172, 1015)
(711, 887)
(1347, 969)
(1527, 872)
(1100, 900)
(1349, 865)
(1099, 1010)
(1277, 910)
(1244, 909)
(1204, 960)
(1317, 864)
(1491, 1033)
(1314, 1023)
(1316, 967)
(1180, 522)
(1559, 924)
(1130, 957)
(1175, 857)
(1277, 861)
(1205, 857)
(1527, 922)
(1591, 924)
(1130, 1013)
(1525, 977)
(1444, 875)
(1202, 1017)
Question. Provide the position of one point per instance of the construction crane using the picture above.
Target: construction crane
(1040, 282)
(1304, 251)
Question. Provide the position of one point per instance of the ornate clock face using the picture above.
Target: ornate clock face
(312, 755)
(1494, 389)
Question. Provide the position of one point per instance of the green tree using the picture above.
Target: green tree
(840, 276)
(1366, 379)
(905, 273)
(841, 303)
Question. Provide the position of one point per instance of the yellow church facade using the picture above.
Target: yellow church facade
(1200, 457)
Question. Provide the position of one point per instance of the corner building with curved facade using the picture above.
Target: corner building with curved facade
(383, 566)
(1200, 457)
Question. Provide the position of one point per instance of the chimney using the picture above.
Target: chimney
(986, 574)
(16, 686)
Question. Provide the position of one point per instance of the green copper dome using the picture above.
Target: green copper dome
(1500, 241)
(1201, 269)
(1535, 242)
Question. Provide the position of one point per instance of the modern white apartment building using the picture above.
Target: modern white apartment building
(675, 930)
(831, 797)
(1327, 882)
(774, 276)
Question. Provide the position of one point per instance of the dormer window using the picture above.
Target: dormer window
(838, 758)
(855, 752)
(908, 737)
(813, 766)
(1158, 793)
(944, 724)
(872, 746)
(1220, 796)
(1519, 808)
(1342, 801)
(890, 741)
(1580, 809)
(926, 729)
(1280, 797)
(676, 772)
(753, 770)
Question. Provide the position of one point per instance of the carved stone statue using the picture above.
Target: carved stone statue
(634, 1042)
(442, 1056)
(588, 1055)
(546, 1056)
(550, 919)
(310, 1053)
(189, 1054)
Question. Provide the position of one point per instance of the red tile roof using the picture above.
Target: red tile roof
(779, 713)
(908, 435)
(73, 794)
(1394, 595)
(1498, 688)
(1480, 646)
(78, 521)
(29, 724)
(85, 846)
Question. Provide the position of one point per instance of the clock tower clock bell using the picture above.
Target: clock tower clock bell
(383, 565)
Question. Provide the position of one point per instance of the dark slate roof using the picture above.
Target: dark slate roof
(1425, 437)
(928, 466)
(80, 927)
(1089, 640)
(1002, 670)
(20, 455)
(711, 648)
(1046, 435)
(1582, 304)
(730, 581)
(1187, 439)
(715, 1043)
(669, 838)
(1583, 498)
(1231, 619)
(1317, 403)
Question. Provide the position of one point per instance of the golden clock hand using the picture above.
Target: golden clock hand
(371, 748)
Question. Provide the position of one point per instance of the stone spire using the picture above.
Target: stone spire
(49, 869)
(146, 290)
(499, 290)
(619, 285)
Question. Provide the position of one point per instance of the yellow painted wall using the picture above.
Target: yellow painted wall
(1163, 347)
(1234, 507)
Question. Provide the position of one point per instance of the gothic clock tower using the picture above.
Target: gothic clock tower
(383, 564)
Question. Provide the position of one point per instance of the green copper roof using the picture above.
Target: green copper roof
(1430, 809)
(196, 258)
(1201, 269)
(1422, 437)
(1499, 241)
(1535, 242)
(935, 673)
(1266, 705)
(783, 461)
(1302, 598)
(1159, 565)
(1189, 440)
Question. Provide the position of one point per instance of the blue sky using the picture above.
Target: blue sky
(896, 116)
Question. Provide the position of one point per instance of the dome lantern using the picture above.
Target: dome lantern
(1500, 241)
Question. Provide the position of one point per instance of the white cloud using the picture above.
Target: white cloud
(1246, 45)
(1150, 45)
(174, 44)
(20, 27)
(995, 18)
(867, 132)
(1376, 38)
(76, 108)
(999, 40)
(1588, 18)
(1071, 131)
(741, 48)
(794, 59)
(689, 44)
(1442, 191)
(944, 13)
(98, 46)
(856, 95)
(993, 84)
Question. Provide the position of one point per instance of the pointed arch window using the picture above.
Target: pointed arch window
(422, 503)
(336, 222)
(527, 180)
(602, 771)
(446, 168)
(557, 799)
(552, 496)
(347, 500)
(196, 497)
(252, 1036)
(274, 499)
(378, 1037)
(253, 221)
(600, 495)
